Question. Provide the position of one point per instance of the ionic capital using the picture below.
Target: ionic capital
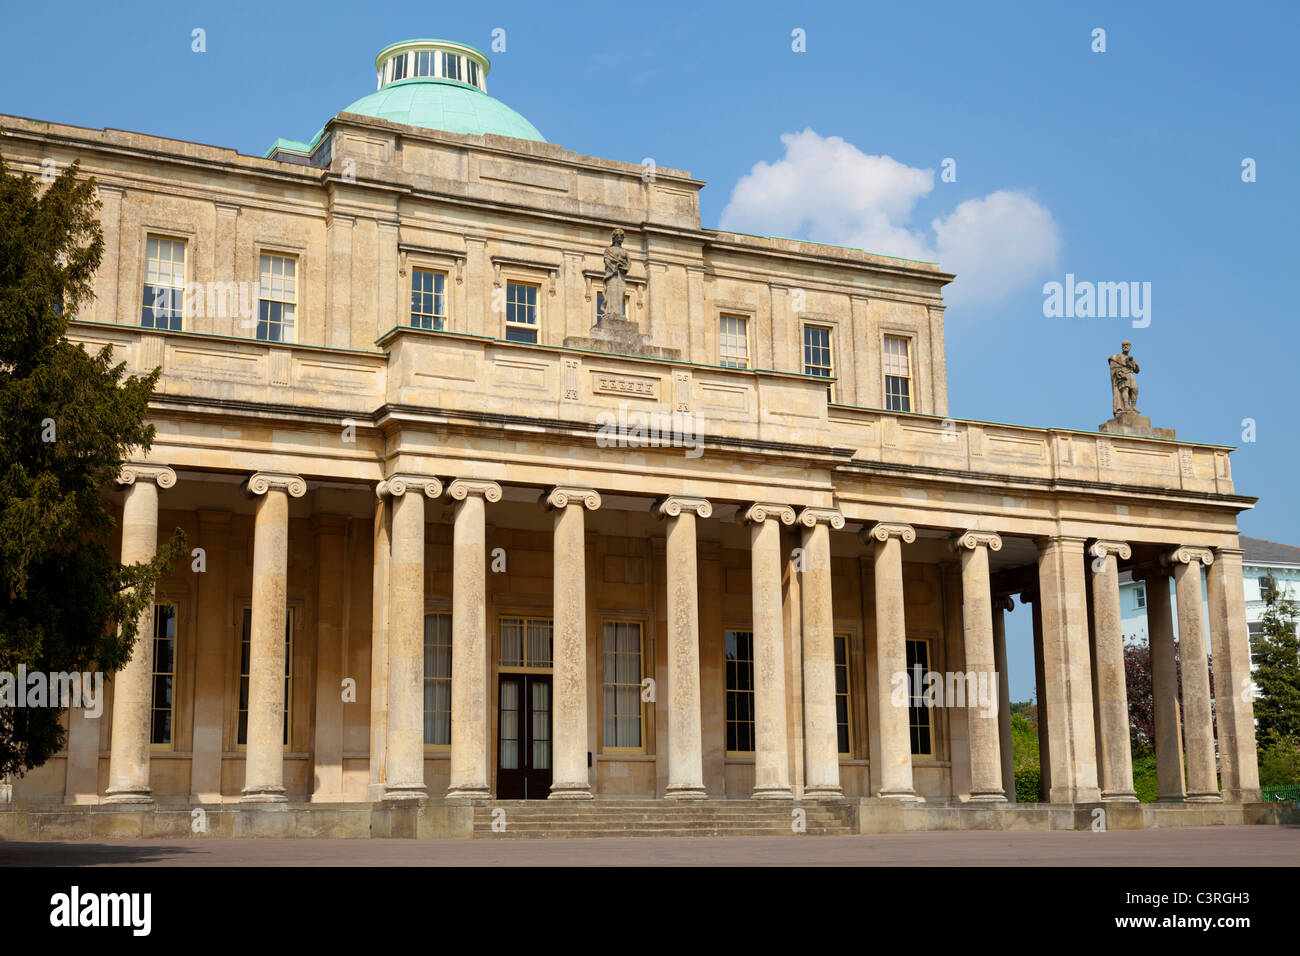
(1188, 554)
(561, 496)
(976, 539)
(761, 511)
(1003, 603)
(133, 471)
(462, 488)
(811, 517)
(674, 505)
(884, 530)
(1100, 548)
(264, 481)
(395, 486)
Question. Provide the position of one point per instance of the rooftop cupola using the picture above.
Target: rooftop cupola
(432, 59)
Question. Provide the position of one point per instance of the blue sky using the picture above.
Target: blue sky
(1133, 154)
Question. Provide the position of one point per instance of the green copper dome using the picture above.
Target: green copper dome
(448, 105)
(433, 84)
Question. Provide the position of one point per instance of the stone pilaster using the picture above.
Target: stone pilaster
(380, 604)
(570, 779)
(771, 757)
(977, 630)
(1114, 753)
(405, 748)
(685, 746)
(821, 740)
(1000, 606)
(470, 777)
(1230, 643)
(212, 657)
(1198, 718)
(128, 765)
(264, 758)
(1164, 686)
(1067, 672)
(893, 778)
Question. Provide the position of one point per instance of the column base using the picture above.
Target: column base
(124, 795)
(772, 793)
(993, 796)
(685, 791)
(823, 793)
(375, 792)
(469, 793)
(1171, 798)
(570, 791)
(264, 795)
(902, 796)
(1118, 796)
(407, 795)
(1210, 797)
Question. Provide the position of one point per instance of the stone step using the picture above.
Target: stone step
(550, 833)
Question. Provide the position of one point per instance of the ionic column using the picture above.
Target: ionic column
(977, 629)
(821, 738)
(1198, 719)
(1164, 686)
(771, 757)
(570, 780)
(685, 747)
(128, 764)
(1035, 604)
(1115, 757)
(470, 778)
(1000, 606)
(893, 778)
(1230, 644)
(1067, 671)
(264, 758)
(405, 745)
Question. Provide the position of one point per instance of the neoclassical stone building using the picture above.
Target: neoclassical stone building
(467, 529)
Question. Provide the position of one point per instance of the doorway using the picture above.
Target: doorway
(524, 736)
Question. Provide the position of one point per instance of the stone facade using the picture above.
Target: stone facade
(372, 473)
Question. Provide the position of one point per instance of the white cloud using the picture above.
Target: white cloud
(827, 190)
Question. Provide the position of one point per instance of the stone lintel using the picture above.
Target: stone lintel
(761, 511)
(673, 505)
(462, 488)
(561, 496)
(133, 471)
(811, 517)
(264, 481)
(395, 486)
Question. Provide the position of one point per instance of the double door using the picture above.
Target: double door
(524, 736)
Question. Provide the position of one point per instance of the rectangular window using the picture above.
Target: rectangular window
(451, 67)
(428, 299)
(733, 341)
(842, 695)
(245, 660)
(525, 643)
(279, 294)
(473, 72)
(164, 674)
(521, 312)
(424, 64)
(898, 375)
(437, 680)
(817, 353)
(740, 692)
(1140, 595)
(399, 67)
(918, 662)
(621, 686)
(163, 306)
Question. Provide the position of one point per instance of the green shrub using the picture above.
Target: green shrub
(1279, 761)
(1028, 784)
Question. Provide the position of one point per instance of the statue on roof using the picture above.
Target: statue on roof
(617, 262)
(1123, 379)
